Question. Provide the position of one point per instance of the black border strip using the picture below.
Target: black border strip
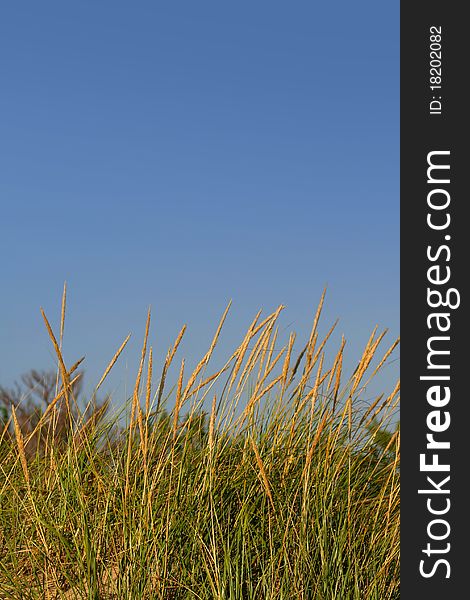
(435, 400)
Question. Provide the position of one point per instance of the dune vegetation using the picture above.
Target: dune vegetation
(270, 478)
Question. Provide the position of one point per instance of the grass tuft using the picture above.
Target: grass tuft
(288, 487)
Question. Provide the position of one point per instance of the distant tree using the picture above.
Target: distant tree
(32, 397)
(3, 417)
(382, 438)
(196, 430)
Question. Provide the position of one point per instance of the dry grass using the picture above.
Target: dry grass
(285, 490)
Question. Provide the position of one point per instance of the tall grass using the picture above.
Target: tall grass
(287, 487)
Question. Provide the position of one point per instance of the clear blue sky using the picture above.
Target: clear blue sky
(181, 154)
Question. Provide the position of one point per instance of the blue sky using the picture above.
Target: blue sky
(181, 154)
